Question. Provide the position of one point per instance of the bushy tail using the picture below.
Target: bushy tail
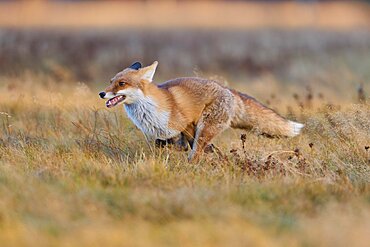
(250, 114)
(295, 128)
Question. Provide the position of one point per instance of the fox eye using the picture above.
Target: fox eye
(121, 83)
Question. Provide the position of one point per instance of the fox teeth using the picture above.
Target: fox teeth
(114, 101)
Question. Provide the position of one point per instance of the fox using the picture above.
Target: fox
(193, 108)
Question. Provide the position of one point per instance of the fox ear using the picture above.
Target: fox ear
(135, 66)
(148, 72)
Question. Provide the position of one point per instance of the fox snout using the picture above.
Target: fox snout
(102, 95)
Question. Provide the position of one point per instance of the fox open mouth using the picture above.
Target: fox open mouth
(114, 101)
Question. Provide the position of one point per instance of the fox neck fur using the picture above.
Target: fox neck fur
(150, 119)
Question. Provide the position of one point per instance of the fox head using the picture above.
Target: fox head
(128, 86)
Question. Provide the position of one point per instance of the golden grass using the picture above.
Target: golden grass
(73, 173)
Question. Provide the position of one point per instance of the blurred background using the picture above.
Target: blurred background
(266, 48)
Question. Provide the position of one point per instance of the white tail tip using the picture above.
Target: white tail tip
(295, 128)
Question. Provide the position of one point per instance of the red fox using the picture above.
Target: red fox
(197, 109)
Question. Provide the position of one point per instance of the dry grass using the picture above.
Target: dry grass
(74, 173)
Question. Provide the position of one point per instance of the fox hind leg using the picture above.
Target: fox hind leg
(215, 118)
(204, 135)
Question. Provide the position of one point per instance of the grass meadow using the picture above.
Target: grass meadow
(74, 173)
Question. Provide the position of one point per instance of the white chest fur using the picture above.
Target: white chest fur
(153, 122)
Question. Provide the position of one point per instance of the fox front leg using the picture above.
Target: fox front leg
(179, 143)
(159, 143)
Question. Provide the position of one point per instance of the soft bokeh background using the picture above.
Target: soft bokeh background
(73, 173)
(264, 47)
